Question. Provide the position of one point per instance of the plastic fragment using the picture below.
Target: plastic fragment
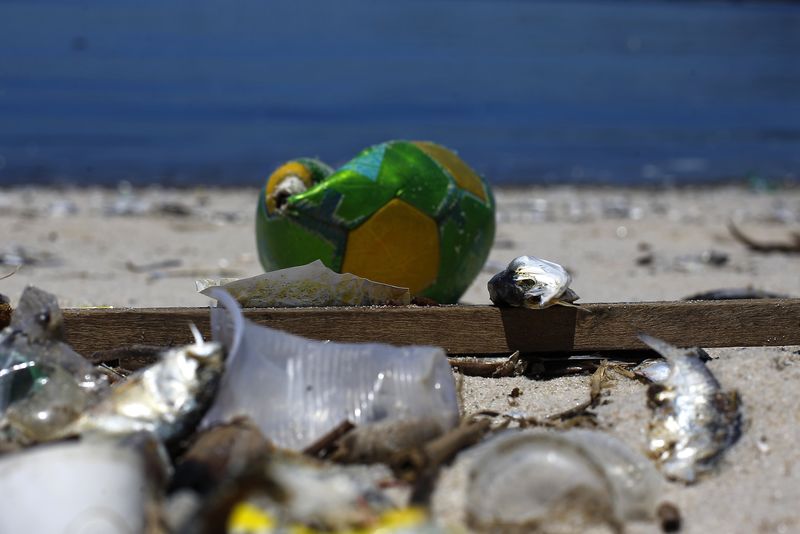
(74, 487)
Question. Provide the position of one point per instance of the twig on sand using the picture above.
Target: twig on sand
(12, 273)
(765, 246)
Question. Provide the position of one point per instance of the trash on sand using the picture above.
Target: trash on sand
(406, 213)
(308, 285)
(533, 479)
(167, 398)
(18, 255)
(383, 440)
(297, 390)
(219, 453)
(75, 487)
(735, 294)
(694, 422)
(154, 266)
(294, 493)
(530, 282)
(489, 367)
(792, 246)
(247, 518)
(44, 384)
(707, 258)
(10, 273)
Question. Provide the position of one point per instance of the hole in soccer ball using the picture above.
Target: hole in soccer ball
(291, 185)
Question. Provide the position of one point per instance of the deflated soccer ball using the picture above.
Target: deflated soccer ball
(410, 214)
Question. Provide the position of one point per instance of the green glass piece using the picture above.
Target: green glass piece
(466, 234)
(285, 242)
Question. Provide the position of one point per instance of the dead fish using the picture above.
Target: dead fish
(694, 421)
(168, 398)
(530, 282)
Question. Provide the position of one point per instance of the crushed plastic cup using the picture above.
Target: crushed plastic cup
(573, 478)
(297, 390)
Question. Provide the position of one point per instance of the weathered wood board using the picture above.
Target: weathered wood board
(467, 329)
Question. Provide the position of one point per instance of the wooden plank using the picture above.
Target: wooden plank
(469, 329)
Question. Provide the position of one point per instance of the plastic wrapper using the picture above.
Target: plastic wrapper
(307, 285)
(296, 390)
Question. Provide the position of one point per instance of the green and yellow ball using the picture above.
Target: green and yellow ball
(406, 213)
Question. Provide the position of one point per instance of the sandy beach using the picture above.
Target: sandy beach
(145, 247)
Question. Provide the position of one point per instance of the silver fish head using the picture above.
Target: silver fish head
(530, 282)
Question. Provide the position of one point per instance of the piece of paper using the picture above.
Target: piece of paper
(308, 285)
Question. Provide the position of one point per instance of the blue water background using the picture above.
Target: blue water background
(202, 91)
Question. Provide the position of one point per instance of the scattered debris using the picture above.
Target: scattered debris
(382, 441)
(219, 453)
(707, 258)
(514, 365)
(694, 422)
(192, 273)
(421, 464)
(537, 479)
(308, 285)
(530, 282)
(10, 274)
(736, 294)
(155, 266)
(18, 256)
(174, 209)
(294, 493)
(790, 247)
